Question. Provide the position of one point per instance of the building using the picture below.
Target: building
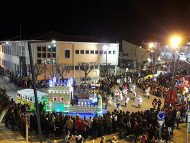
(131, 55)
(50, 57)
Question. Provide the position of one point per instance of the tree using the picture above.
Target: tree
(62, 70)
(104, 69)
(87, 68)
(39, 69)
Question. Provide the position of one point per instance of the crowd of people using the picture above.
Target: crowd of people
(140, 125)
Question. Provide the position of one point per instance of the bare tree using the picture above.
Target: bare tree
(62, 70)
(104, 69)
(87, 68)
(38, 69)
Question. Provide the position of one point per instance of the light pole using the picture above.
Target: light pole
(152, 45)
(35, 92)
(175, 42)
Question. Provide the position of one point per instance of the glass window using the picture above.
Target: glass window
(76, 67)
(43, 55)
(39, 61)
(96, 52)
(81, 51)
(87, 51)
(76, 51)
(39, 55)
(114, 52)
(54, 55)
(49, 48)
(44, 49)
(105, 52)
(54, 49)
(39, 49)
(101, 52)
(91, 51)
(109, 52)
(49, 55)
(67, 53)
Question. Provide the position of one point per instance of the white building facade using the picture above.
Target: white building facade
(14, 56)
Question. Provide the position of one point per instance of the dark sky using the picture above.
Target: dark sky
(131, 20)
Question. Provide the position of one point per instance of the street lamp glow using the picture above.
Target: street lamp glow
(151, 45)
(175, 41)
(53, 41)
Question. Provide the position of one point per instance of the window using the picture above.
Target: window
(39, 61)
(87, 51)
(91, 51)
(39, 49)
(43, 55)
(39, 55)
(114, 52)
(54, 49)
(67, 53)
(54, 55)
(76, 51)
(105, 52)
(76, 67)
(109, 52)
(49, 55)
(44, 49)
(101, 52)
(96, 52)
(81, 51)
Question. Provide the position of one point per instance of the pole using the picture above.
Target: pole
(52, 61)
(173, 79)
(35, 91)
(27, 128)
(106, 72)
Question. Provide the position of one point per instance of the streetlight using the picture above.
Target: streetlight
(152, 45)
(175, 42)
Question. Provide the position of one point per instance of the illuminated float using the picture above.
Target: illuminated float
(60, 98)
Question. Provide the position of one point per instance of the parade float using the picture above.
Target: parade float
(60, 99)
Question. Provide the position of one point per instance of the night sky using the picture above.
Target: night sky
(131, 20)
